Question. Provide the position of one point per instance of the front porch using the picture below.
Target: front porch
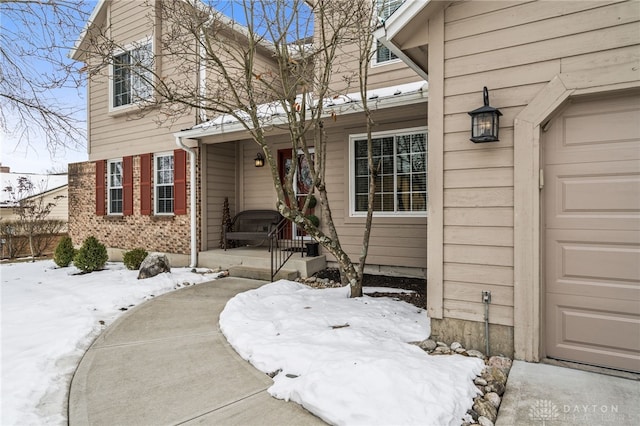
(255, 262)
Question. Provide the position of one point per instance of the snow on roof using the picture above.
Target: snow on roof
(42, 183)
(274, 112)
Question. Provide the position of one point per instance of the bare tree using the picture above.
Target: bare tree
(35, 37)
(275, 73)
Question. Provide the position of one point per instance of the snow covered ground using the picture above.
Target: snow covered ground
(348, 360)
(50, 317)
(345, 360)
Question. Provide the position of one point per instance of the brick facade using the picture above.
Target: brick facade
(166, 234)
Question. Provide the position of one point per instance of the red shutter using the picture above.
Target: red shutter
(101, 168)
(127, 186)
(180, 181)
(145, 184)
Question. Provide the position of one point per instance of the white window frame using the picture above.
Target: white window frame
(111, 187)
(135, 100)
(157, 185)
(376, 43)
(352, 172)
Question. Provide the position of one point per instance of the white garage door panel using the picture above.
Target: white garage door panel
(591, 216)
(602, 195)
(589, 263)
(607, 129)
(584, 125)
(590, 327)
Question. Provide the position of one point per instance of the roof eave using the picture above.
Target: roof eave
(409, 11)
(75, 52)
(339, 110)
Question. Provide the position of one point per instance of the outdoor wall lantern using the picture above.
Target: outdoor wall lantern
(485, 121)
(259, 160)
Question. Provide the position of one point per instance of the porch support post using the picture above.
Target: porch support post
(192, 201)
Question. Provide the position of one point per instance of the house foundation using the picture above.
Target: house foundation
(471, 334)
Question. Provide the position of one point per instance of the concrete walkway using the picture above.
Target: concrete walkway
(166, 362)
(539, 394)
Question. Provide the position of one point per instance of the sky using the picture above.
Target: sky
(26, 27)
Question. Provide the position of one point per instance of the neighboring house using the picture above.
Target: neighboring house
(565, 76)
(548, 218)
(51, 188)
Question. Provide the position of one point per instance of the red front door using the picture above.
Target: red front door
(302, 178)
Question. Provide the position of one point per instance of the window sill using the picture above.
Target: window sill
(375, 64)
(136, 107)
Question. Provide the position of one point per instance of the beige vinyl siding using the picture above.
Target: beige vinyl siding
(380, 75)
(257, 190)
(127, 132)
(221, 182)
(344, 78)
(514, 49)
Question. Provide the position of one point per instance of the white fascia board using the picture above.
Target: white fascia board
(94, 14)
(401, 17)
(394, 24)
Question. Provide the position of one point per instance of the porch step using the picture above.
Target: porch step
(263, 274)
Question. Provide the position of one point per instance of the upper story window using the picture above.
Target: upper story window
(401, 181)
(114, 183)
(163, 182)
(132, 77)
(385, 9)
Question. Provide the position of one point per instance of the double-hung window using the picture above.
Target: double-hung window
(163, 183)
(385, 9)
(132, 77)
(114, 183)
(400, 161)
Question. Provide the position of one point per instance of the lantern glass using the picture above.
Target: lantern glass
(485, 127)
(259, 160)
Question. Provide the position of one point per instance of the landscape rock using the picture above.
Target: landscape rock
(442, 350)
(480, 381)
(460, 350)
(455, 346)
(493, 398)
(427, 345)
(496, 387)
(486, 409)
(501, 362)
(476, 354)
(482, 420)
(493, 374)
(153, 265)
(441, 344)
(473, 414)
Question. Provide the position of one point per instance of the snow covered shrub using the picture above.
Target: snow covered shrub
(92, 256)
(64, 253)
(133, 258)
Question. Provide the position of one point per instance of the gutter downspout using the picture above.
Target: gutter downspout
(192, 201)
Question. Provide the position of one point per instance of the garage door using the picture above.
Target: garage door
(591, 222)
